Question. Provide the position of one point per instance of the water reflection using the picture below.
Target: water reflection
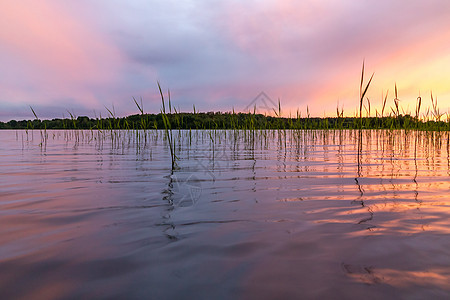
(270, 213)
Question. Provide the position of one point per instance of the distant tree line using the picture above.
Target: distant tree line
(227, 120)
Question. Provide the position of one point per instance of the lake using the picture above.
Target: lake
(270, 214)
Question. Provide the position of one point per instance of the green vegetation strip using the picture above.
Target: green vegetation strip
(431, 120)
(219, 120)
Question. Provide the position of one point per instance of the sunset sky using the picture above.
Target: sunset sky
(59, 55)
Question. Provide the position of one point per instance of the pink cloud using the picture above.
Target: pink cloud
(52, 53)
(310, 53)
(222, 54)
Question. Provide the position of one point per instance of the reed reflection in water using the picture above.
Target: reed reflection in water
(245, 214)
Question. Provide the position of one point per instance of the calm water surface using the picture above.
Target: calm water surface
(245, 215)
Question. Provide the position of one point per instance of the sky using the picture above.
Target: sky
(83, 56)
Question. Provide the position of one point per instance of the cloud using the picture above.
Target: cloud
(220, 54)
(49, 55)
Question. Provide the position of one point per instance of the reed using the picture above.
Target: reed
(73, 119)
(43, 133)
(168, 126)
(362, 93)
